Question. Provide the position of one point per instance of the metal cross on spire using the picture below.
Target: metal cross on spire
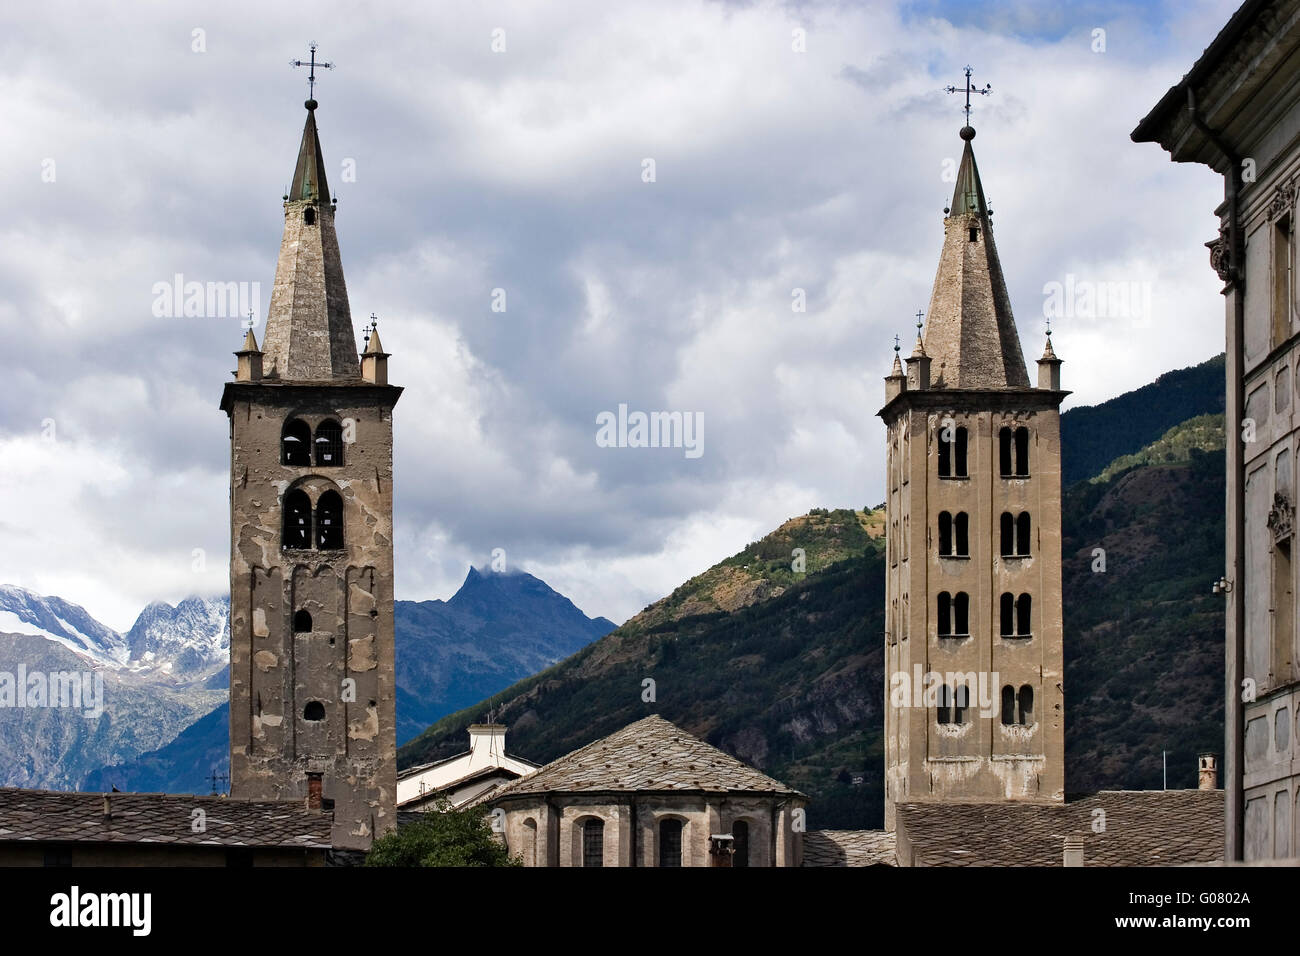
(311, 73)
(919, 313)
(968, 90)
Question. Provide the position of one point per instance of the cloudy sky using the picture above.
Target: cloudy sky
(794, 147)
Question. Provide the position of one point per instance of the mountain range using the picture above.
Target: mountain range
(780, 667)
(157, 679)
(785, 670)
(497, 628)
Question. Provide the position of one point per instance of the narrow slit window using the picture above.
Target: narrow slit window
(1007, 616)
(960, 703)
(945, 533)
(945, 614)
(961, 528)
(1022, 615)
(1025, 706)
(961, 614)
(1022, 452)
(1022, 534)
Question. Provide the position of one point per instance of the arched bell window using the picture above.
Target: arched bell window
(295, 443)
(297, 520)
(329, 444)
(329, 521)
(301, 622)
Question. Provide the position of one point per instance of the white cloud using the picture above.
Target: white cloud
(522, 170)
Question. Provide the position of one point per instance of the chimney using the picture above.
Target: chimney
(1208, 769)
(487, 745)
(1073, 852)
(108, 808)
(313, 791)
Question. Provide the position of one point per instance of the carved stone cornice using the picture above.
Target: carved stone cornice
(1281, 520)
(1283, 200)
(1221, 255)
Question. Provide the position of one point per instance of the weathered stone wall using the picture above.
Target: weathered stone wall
(980, 759)
(554, 827)
(345, 662)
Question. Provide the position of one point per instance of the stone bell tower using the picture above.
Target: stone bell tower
(974, 707)
(311, 543)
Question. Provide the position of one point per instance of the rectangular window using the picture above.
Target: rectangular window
(1282, 254)
(1283, 615)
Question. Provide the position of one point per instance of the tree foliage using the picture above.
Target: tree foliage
(442, 837)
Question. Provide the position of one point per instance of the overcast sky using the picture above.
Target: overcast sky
(149, 140)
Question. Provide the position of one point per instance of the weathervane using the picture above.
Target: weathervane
(968, 90)
(311, 73)
(896, 345)
(374, 324)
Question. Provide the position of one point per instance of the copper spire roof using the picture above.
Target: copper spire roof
(309, 336)
(971, 333)
(309, 175)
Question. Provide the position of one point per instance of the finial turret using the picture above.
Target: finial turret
(250, 357)
(918, 363)
(374, 360)
(1049, 366)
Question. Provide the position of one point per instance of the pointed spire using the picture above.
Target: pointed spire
(309, 335)
(374, 360)
(971, 334)
(373, 346)
(1049, 366)
(309, 175)
(250, 359)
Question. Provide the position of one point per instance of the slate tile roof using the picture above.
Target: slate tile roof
(45, 815)
(1142, 828)
(648, 755)
(848, 848)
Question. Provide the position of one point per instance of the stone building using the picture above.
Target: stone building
(311, 551)
(1237, 111)
(466, 778)
(973, 656)
(650, 795)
